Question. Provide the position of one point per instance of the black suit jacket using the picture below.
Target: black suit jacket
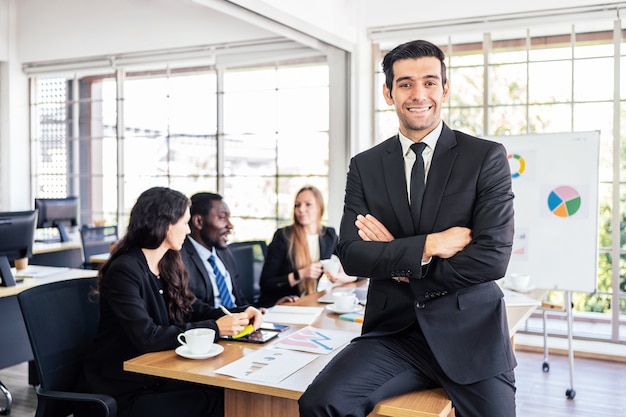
(274, 277)
(456, 301)
(134, 321)
(199, 281)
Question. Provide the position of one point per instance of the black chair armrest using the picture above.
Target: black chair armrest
(107, 402)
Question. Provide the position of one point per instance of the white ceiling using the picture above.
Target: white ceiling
(70, 29)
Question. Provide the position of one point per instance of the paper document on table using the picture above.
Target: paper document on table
(39, 271)
(311, 339)
(512, 298)
(267, 365)
(292, 314)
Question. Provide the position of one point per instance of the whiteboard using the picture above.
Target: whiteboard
(555, 181)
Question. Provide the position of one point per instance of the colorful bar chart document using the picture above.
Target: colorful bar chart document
(311, 339)
(267, 365)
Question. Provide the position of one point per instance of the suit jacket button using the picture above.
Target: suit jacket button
(420, 305)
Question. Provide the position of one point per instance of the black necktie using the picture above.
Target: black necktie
(227, 300)
(417, 183)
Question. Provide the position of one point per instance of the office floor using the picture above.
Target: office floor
(599, 385)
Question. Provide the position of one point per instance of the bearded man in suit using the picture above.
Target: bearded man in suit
(210, 227)
(433, 230)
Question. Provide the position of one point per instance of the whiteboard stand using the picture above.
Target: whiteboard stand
(570, 393)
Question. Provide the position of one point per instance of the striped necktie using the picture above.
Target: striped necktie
(220, 279)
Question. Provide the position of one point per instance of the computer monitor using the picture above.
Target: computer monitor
(17, 231)
(57, 212)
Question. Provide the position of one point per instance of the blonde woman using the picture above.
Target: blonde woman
(292, 266)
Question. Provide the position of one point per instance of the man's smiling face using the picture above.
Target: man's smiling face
(417, 95)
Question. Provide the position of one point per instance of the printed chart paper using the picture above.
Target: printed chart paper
(267, 365)
(314, 340)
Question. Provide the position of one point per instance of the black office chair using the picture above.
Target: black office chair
(249, 256)
(61, 320)
(96, 240)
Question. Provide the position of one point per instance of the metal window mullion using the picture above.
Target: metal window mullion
(120, 77)
(219, 134)
(615, 212)
(75, 180)
(168, 127)
(35, 137)
(573, 48)
(527, 101)
(487, 47)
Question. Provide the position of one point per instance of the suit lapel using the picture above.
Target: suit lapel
(395, 182)
(438, 175)
(202, 269)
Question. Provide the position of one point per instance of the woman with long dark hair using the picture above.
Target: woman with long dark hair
(144, 304)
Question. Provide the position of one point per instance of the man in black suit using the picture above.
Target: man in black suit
(435, 316)
(210, 226)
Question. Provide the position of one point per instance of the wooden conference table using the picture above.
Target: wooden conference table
(248, 398)
(100, 258)
(62, 254)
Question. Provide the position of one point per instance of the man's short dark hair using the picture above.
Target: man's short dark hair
(412, 50)
(201, 203)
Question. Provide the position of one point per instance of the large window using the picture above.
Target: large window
(254, 135)
(546, 84)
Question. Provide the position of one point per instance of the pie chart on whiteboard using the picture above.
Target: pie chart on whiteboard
(564, 201)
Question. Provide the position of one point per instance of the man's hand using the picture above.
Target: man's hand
(312, 271)
(372, 230)
(287, 299)
(447, 243)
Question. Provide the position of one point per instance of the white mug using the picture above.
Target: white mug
(198, 341)
(331, 265)
(519, 281)
(345, 300)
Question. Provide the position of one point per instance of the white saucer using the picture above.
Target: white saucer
(523, 290)
(334, 309)
(215, 350)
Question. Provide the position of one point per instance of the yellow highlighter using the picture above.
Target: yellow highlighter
(246, 330)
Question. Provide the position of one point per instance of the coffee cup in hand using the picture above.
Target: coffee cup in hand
(198, 341)
(331, 265)
(345, 300)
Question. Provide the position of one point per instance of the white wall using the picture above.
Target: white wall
(399, 12)
(14, 140)
(338, 17)
(4, 29)
(63, 29)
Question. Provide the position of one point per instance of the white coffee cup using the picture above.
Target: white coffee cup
(331, 265)
(519, 281)
(345, 300)
(198, 341)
